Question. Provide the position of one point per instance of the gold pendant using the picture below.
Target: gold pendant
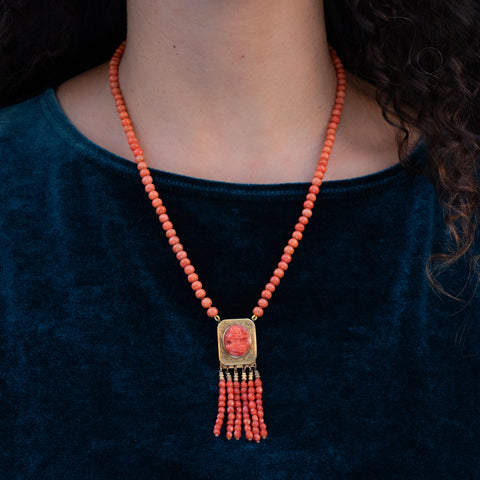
(239, 401)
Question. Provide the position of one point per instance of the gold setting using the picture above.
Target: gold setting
(226, 360)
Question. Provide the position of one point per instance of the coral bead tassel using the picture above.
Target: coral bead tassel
(252, 405)
(221, 405)
(230, 407)
(237, 431)
(259, 401)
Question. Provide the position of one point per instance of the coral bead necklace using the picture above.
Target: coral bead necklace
(240, 386)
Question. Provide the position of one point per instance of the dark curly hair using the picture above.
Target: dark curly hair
(421, 55)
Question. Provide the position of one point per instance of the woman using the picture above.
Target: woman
(370, 365)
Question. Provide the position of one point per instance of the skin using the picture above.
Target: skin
(232, 91)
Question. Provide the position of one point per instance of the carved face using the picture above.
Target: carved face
(236, 340)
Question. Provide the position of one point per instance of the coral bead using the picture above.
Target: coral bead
(193, 277)
(206, 302)
(293, 242)
(201, 293)
(181, 255)
(189, 269)
(212, 312)
(263, 303)
(270, 287)
(278, 272)
(184, 262)
(275, 281)
(297, 236)
(177, 248)
(173, 240)
(266, 294)
(258, 312)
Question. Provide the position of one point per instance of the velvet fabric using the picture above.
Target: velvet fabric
(109, 364)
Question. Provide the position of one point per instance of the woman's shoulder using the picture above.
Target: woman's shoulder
(25, 127)
(20, 116)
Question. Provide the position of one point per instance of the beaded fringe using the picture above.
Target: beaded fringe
(240, 402)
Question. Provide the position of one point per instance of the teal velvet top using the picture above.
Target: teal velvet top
(109, 365)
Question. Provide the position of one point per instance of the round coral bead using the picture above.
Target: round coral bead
(212, 312)
(263, 303)
(167, 225)
(196, 285)
(266, 294)
(157, 202)
(299, 227)
(314, 189)
(296, 235)
(161, 209)
(289, 250)
(293, 242)
(285, 257)
(201, 293)
(153, 195)
(170, 233)
(258, 312)
(173, 240)
(189, 268)
(181, 255)
(177, 248)
(282, 265)
(270, 287)
(274, 280)
(150, 188)
(193, 277)
(278, 272)
(206, 302)
(184, 262)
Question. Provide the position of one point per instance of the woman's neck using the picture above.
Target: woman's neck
(232, 91)
(241, 83)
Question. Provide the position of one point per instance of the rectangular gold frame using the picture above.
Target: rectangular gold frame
(226, 360)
